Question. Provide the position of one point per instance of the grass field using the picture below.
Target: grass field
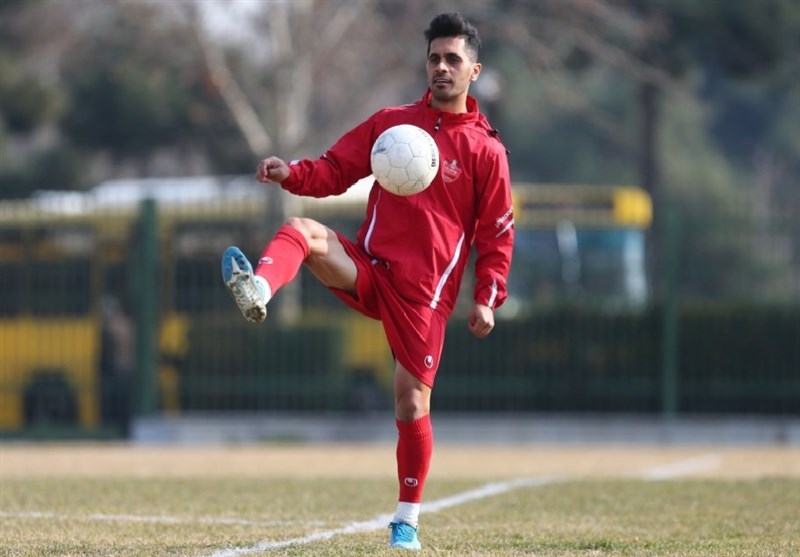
(333, 500)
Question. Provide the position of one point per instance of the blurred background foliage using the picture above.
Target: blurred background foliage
(697, 102)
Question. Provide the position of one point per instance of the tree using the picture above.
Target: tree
(581, 90)
(671, 52)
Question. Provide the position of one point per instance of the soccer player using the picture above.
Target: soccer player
(407, 261)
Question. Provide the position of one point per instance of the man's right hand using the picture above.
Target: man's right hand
(272, 170)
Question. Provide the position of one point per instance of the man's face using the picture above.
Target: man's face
(450, 71)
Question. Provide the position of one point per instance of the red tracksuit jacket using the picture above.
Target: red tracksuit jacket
(424, 239)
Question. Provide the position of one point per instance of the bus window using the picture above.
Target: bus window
(10, 288)
(62, 263)
(535, 269)
(578, 244)
(612, 264)
(195, 279)
(603, 265)
(40, 264)
(49, 280)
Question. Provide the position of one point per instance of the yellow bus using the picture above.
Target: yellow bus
(579, 244)
(65, 257)
(66, 264)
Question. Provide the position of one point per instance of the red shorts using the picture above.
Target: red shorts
(415, 332)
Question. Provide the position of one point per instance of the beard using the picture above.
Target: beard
(445, 95)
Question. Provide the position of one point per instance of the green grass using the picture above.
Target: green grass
(709, 518)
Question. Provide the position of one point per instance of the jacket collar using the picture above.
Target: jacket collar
(471, 115)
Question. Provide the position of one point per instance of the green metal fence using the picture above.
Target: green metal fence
(717, 332)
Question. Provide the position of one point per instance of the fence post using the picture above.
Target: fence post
(669, 323)
(145, 287)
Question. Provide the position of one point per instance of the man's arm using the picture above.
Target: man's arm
(494, 241)
(333, 173)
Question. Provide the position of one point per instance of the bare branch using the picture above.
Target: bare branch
(256, 136)
(617, 57)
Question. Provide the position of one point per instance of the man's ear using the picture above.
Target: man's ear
(476, 71)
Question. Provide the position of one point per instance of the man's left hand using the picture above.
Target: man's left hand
(481, 320)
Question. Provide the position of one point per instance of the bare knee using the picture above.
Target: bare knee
(412, 398)
(316, 234)
(411, 406)
(303, 225)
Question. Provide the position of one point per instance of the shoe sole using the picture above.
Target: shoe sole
(255, 313)
(233, 278)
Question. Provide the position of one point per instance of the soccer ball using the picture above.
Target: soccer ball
(404, 159)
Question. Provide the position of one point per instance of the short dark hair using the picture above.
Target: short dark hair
(454, 25)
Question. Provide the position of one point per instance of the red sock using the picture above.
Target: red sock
(282, 257)
(414, 448)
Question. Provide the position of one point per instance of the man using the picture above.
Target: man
(406, 265)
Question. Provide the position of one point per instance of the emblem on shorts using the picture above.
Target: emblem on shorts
(266, 261)
(429, 361)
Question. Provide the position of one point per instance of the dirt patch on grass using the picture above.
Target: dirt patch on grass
(377, 461)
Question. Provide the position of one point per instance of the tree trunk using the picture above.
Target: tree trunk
(649, 178)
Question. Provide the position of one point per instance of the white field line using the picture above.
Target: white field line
(158, 519)
(662, 472)
(382, 521)
(665, 471)
(686, 467)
